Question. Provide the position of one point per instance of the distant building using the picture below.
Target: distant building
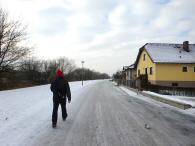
(171, 65)
(124, 75)
(130, 76)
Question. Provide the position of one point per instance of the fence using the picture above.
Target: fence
(161, 89)
(172, 90)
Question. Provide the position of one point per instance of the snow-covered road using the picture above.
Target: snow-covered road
(100, 114)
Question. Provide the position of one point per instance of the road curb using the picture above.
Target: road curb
(167, 101)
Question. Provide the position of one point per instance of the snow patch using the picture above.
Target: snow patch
(181, 99)
(190, 111)
(25, 112)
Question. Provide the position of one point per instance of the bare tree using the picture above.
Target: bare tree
(12, 34)
(66, 64)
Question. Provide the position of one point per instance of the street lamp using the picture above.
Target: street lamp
(82, 62)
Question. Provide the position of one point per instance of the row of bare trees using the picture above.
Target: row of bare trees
(76, 75)
(35, 72)
(42, 71)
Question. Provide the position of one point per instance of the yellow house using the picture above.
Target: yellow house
(167, 64)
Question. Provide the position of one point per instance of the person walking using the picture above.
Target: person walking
(61, 91)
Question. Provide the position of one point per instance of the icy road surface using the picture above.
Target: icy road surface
(100, 114)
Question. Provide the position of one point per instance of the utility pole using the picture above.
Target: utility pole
(82, 62)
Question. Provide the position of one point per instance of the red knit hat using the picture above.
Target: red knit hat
(59, 73)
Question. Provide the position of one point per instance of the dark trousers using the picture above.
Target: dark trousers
(55, 110)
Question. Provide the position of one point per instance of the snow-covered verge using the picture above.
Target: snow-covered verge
(181, 99)
(190, 111)
(23, 112)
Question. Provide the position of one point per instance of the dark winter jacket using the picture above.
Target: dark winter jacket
(60, 89)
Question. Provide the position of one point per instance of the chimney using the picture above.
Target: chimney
(186, 46)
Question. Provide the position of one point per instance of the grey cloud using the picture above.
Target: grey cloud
(162, 1)
(54, 11)
(53, 20)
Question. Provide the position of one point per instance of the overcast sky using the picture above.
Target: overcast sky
(106, 34)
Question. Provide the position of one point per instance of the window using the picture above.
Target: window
(151, 71)
(138, 72)
(185, 69)
(144, 57)
(174, 84)
(146, 71)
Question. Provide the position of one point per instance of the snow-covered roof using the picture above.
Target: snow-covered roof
(131, 66)
(170, 53)
(124, 68)
(128, 67)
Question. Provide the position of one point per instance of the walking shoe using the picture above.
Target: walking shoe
(64, 119)
(54, 125)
